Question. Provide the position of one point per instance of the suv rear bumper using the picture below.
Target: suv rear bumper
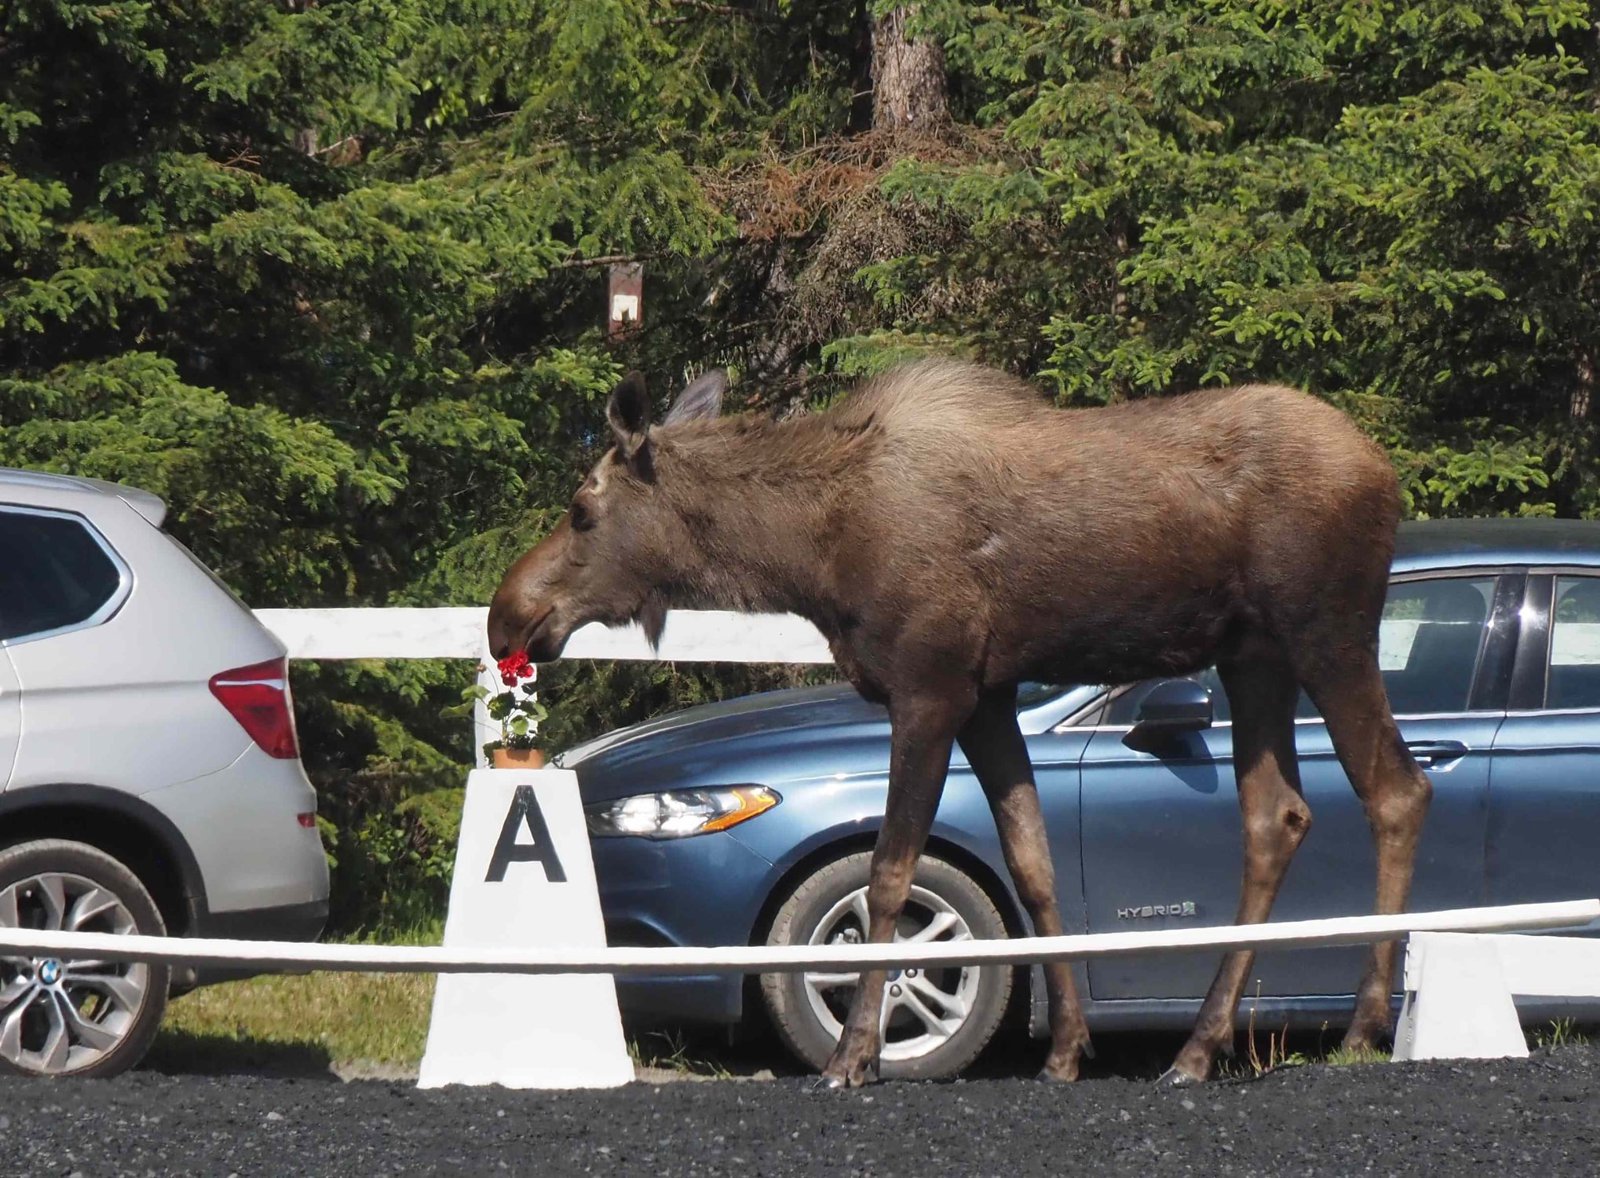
(291, 922)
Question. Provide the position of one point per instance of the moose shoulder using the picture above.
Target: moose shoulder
(951, 533)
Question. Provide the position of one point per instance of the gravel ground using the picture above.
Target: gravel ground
(1538, 1116)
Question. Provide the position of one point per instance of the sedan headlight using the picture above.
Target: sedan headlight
(680, 813)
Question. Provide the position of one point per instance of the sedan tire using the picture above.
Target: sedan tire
(67, 1016)
(937, 1021)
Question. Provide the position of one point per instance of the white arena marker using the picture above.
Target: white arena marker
(1460, 986)
(1457, 1005)
(524, 879)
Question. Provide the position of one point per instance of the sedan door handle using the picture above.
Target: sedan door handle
(1436, 754)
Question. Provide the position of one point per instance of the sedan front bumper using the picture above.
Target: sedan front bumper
(705, 890)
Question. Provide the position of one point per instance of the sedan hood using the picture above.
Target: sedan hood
(779, 739)
(696, 729)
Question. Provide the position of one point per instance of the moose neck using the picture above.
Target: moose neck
(760, 501)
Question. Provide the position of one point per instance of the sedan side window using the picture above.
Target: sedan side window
(1574, 677)
(1429, 642)
(54, 573)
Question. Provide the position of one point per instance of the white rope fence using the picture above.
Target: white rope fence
(292, 956)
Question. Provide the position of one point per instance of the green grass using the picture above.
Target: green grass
(1341, 1057)
(1273, 1050)
(315, 1022)
(303, 1023)
(347, 1023)
(673, 1051)
(1274, 1053)
(1562, 1032)
(356, 1024)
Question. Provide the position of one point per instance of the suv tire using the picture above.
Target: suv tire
(59, 1017)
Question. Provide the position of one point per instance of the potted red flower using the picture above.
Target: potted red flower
(518, 712)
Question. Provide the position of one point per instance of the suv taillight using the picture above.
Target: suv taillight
(258, 697)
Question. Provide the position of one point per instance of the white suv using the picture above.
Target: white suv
(150, 776)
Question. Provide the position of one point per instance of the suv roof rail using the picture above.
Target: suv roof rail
(149, 505)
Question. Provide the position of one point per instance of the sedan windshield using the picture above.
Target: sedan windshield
(1031, 695)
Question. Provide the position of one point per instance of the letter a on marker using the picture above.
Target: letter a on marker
(525, 811)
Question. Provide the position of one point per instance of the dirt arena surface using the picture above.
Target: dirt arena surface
(1537, 1116)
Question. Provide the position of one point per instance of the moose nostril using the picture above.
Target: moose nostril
(499, 635)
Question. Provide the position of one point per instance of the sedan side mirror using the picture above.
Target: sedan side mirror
(1174, 706)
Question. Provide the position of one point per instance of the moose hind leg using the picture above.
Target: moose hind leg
(1395, 793)
(919, 758)
(999, 757)
(1261, 694)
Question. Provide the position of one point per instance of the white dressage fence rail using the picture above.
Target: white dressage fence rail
(289, 955)
(458, 632)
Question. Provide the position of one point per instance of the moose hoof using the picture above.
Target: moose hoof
(1364, 1037)
(1059, 1069)
(1174, 1078)
(1048, 1076)
(849, 1075)
(858, 1078)
(838, 1083)
(854, 1062)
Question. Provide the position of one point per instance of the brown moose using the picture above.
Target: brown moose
(951, 533)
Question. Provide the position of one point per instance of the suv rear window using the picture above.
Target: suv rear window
(54, 573)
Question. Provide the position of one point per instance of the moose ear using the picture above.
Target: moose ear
(628, 411)
(701, 400)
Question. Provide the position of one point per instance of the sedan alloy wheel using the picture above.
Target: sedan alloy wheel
(922, 1008)
(934, 1022)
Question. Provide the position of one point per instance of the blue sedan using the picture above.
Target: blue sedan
(752, 821)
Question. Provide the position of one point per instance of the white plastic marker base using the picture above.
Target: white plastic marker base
(1457, 1005)
(1458, 1002)
(524, 879)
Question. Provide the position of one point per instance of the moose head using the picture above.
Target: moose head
(613, 555)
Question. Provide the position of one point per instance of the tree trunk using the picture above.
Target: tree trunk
(908, 83)
(1120, 388)
(1582, 398)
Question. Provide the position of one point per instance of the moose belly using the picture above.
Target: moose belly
(1118, 639)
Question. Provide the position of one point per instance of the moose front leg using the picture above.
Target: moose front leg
(999, 756)
(919, 758)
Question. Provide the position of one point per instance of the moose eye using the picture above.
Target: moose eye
(582, 517)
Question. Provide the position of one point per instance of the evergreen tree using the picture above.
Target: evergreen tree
(1389, 205)
(329, 275)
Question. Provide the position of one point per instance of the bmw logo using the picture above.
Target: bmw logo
(49, 971)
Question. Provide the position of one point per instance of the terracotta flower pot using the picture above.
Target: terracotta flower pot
(504, 758)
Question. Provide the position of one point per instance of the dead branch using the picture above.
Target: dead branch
(699, 8)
